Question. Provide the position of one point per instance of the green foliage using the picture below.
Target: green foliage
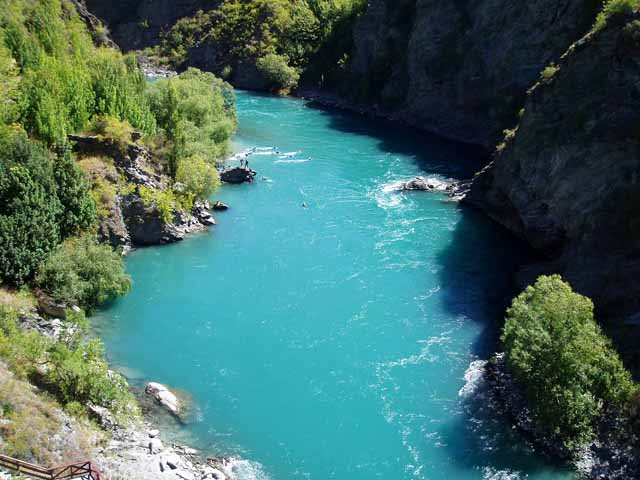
(119, 87)
(196, 111)
(83, 273)
(199, 177)
(549, 71)
(57, 80)
(277, 72)
(613, 8)
(72, 369)
(119, 132)
(43, 199)
(567, 368)
(164, 201)
(78, 208)
(244, 31)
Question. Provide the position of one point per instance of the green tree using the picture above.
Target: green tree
(84, 273)
(29, 207)
(196, 112)
(567, 368)
(199, 176)
(74, 193)
(277, 72)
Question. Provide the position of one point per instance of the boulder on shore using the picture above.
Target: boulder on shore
(164, 397)
(237, 175)
(48, 306)
(424, 184)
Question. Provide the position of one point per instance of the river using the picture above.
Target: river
(323, 329)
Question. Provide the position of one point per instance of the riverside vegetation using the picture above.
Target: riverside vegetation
(54, 81)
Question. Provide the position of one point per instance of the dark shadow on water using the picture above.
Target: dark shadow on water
(478, 283)
(478, 274)
(432, 153)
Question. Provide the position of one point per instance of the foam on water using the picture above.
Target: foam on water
(294, 160)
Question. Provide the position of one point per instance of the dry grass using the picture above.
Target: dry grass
(17, 300)
(34, 428)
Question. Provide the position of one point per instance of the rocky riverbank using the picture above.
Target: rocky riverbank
(130, 219)
(137, 451)
(610, 456)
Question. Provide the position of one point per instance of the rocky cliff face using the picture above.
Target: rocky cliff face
(568, 180)
(136, 24)
(460, 68)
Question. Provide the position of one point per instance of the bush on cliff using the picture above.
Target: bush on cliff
(199, 177)
(567, 368)
(83, 273)
(277, 72)
(613, 8)
(71, 368)
(43, 199)
(196, 111)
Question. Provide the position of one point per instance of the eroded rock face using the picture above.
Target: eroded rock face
(136, 24)
(460, 69)
(568, 181)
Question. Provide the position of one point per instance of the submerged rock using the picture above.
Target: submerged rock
(164, 397)
(238, 175)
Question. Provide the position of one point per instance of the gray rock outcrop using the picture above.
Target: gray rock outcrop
(459, 69)
(568, 180)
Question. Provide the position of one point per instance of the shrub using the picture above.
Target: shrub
(163, 201)
(615, 7)
(83, 273)
(549, 71)
(277, 72)
(567, 368)
(72, 369)
(73, 191)
(110, 128)
(196, 111)
(29, 207)
(199, 176)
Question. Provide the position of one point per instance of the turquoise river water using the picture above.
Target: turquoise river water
(330, 341)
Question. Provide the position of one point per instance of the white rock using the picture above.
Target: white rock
(164, 396)
(218, 475)
(153, 433)
(173, 461)
(155, 446)
(185, 475)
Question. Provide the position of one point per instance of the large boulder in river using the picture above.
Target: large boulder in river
(164, 397)
(237, 175)
(425, 184)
